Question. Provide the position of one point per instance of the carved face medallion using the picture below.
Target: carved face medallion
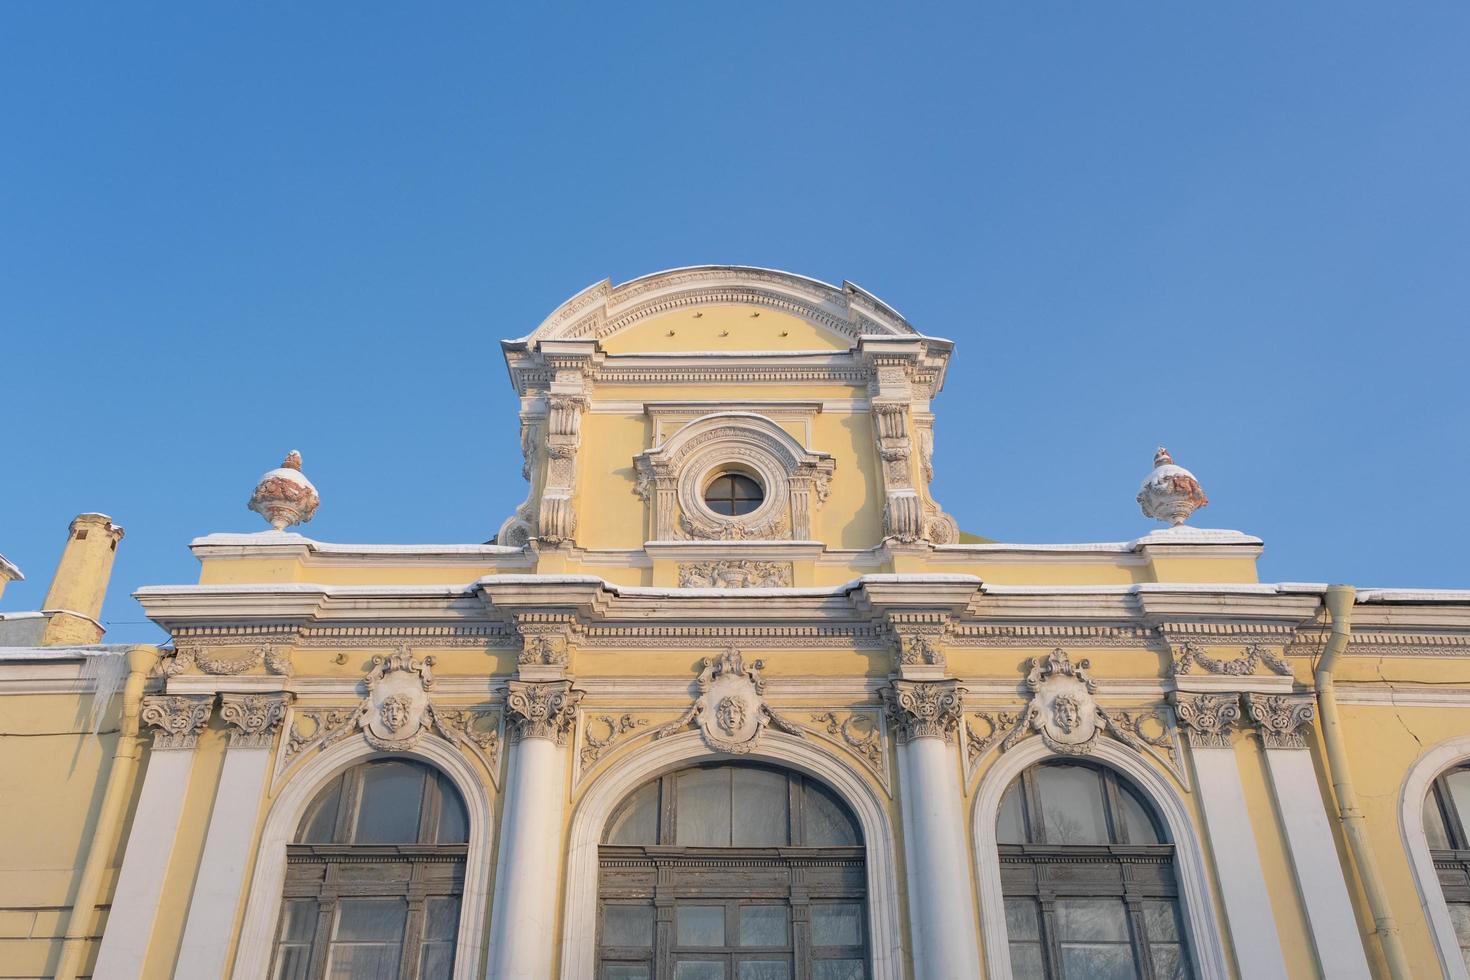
(394, 711)
(730, 715)
(1066, 713)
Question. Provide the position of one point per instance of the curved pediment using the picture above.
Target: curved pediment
(721, 307)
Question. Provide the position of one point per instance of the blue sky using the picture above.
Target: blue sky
(1241, 230)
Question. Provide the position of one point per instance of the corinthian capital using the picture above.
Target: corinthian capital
(1207, 718)
(178, 718)
(1281, 716)
(253, 718)
(924, 709)
(541, 710)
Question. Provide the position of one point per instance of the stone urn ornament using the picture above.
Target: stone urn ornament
(284, 496)
(1170, 493)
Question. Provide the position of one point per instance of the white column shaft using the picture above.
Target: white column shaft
(145, 863)
(941, 898)
(523, 918)
(1238, 865)
(1318, 868)
(218, 888)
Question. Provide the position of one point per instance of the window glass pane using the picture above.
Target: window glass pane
(1098, 961)
(1071, 804)
(761, 803)
(838, 970)
(1460, 916)
(1093, 936)
(368, 939)
(699, 970)
(392, 793)
(1026, 963)
(292, 962)
(625, 971)
(436, 961)
(835, 924)
(699, 925)
(1009, 827)
(703, 808)
(636, 822)
(1161, 920)
(1434, 828)
(763, 970)
(1458, 783)
(298, 920)
(828, 822)
(1022, 921)
(454, 823)
(764, 925)
(320, 822)
(1135, 818)
(1170, 963)
(442, 918)
(627, 925)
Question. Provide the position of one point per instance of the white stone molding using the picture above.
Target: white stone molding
(396, 712)
(557, 517)
(672, 478)
(1206, 943)
(1315, 862)
(263, 907)
(1412, 795)
(177, 718)
(735, 574)
(253, 719)
(896, 386)
(546, 710)
(145, 864)
(731, 709)
(614, 783)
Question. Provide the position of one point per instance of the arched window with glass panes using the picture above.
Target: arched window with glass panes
(732, 872)
(1088, 878)
(374, 877)
(1447, 828)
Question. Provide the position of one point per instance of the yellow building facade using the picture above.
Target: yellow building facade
(732, 696)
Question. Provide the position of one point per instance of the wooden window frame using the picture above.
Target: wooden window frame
(1452, 864)
(329, 873)
(1046, 873)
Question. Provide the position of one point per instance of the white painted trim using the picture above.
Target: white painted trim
(1411, 829)
(145, 864)
(1205, 941)
(579, 930)
(1318, 868)
(218, 884)
(253, 957)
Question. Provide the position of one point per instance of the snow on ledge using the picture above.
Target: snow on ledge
(1168, 536)
(270, 538)
(1414, 595)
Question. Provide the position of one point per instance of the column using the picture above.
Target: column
(177, 721)
(254, 720)
(1208, 719)
(942, 919)
(1314, 857)
(539, 717)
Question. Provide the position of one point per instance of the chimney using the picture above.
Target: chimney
(74, 601)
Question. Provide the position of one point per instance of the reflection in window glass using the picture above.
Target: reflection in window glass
(838, 970)
(1458, 784)
(1136, 820)
(454, 823)
(627, 925)
(1093, 936)
(1009, 828)
(625, 971)
(1434, 828)
(1072, 805)
(837, 924)
(699, 970)
(699, 925)
(368, 941)
(764, 925)
(298, 928)
(704, 807)
(320, 824)
(827, 821)
(760, 806)
(392, 793)
(636, 821)
(764, 970)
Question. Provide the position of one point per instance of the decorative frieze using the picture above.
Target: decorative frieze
(1018, 635)
(1062, 709)
(253, 718)
(919, 638)
(1207, 718)
(1281, 717)
(177, 718)
(544, 709)
(600, 732)
(735, 574)
(546, 639)
(276, 659)
(1187, 655)
(924, 709)
(731, 710)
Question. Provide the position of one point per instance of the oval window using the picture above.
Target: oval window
(733, 494)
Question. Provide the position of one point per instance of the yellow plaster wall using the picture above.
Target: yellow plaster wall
(724, 328)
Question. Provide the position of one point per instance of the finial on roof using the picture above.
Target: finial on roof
(284, 496)
(1170, 493)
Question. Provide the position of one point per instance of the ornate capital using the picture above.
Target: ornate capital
(1207, 718)
(541, 710)
(924, 709)
(1281, 717)
(253, 718)
(546, 640)
(178, 718)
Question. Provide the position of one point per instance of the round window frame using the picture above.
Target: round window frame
(765, 470)
(732, 469)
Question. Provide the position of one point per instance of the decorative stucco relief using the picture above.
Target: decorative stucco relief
(1187, 655)
(1062, 709)
(253, 719)
(731, 710)
(1207, 718)
(861, 733)
(601, 732)
(978, 744)
(1281, 718)
(185, 658)
(544, 709)
(734, 574)
(177, 718)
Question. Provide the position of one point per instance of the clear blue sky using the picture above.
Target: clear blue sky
(1242, 230)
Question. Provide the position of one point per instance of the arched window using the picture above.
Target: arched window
(374, 877)
(1088, 878)
(1446, 811)
(732, 872)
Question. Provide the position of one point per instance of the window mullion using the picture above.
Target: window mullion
(413, 935)
(1138, 932)
(1031, 816)
(347, 806)
(326, 913)
(1051, 949)
(1450, 813)
(1112, 794)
